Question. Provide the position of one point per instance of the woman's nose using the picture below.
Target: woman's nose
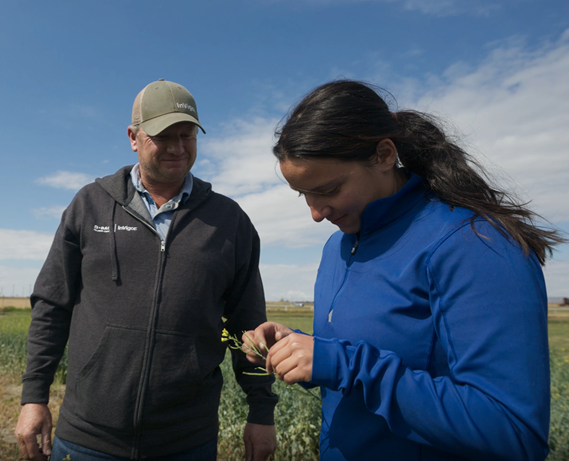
(319, 211)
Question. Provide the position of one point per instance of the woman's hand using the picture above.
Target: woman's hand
(263, 338)
(291, 358)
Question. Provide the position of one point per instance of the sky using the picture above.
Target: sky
(494, 71)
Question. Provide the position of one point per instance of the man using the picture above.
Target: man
(144, 268)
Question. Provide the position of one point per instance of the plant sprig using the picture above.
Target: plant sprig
(237, 344)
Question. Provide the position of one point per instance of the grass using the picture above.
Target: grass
(559, 426)
(294, 321)
(297, 416)
(14, 325)
(559, 335)
(13, 334)
(297, 421)
(13, 330)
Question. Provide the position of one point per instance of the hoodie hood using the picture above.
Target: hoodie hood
(120, 188)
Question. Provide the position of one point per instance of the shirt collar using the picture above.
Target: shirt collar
(183, 195)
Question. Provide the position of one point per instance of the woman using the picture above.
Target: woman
(430, 325)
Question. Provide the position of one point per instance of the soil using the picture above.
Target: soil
(10, 392)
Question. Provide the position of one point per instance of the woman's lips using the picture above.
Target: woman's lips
(338, 221)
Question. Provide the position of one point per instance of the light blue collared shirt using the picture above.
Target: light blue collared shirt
(161, 217)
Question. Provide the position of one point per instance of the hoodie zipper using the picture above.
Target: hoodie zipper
(149, 343)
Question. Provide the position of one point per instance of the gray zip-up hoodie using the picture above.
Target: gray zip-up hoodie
(144, 319)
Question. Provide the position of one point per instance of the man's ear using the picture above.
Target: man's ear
(132, 138)
(386, 154)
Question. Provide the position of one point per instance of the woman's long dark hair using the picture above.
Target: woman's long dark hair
(346, 119)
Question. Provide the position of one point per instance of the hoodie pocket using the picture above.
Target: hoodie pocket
(175, 386)
(107, 385)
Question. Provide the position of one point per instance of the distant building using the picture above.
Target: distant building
(556, 302)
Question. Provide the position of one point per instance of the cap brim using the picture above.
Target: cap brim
(157, 125)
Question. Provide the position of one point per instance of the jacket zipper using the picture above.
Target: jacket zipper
(355, 247)
(353, 253)
(149, 343)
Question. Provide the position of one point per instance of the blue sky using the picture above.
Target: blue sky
(496, 70)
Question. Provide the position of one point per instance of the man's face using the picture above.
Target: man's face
(165, 159)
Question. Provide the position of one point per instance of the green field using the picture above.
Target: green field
(559, 335)
(294, 321)
(297, 415)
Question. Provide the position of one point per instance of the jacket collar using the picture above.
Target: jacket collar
(386, 210)
(119, 186)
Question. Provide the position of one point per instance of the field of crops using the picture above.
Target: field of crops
(297, 415)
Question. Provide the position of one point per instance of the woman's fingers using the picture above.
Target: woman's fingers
(291, 358)
(288, 354)
(257, 342)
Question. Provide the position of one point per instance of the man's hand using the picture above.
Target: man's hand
(260, 441)
(264, 337)
(291, 358)
(35, 418)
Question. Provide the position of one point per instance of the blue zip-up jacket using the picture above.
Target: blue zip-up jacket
(431, 340)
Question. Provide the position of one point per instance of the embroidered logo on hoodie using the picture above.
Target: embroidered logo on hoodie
(106, 229)
(101, 228)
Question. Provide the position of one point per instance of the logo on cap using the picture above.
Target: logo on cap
(162, 104)
(183, 105)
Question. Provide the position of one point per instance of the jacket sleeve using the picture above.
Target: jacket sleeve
(489, 312)
(245, 310)
(52, 301)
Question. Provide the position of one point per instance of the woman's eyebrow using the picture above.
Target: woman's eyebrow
(322, 189)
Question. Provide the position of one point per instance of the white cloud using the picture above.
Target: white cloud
(17, 281)
(24, 244)
(242, 157)
(448, 7)
(557, 278)
(66, 180)
(48, 212)
(429, 7)
(288, 281)
(515, 109)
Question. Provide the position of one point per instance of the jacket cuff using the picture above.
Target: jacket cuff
(262, 412)
(35, 391)
(326, 363)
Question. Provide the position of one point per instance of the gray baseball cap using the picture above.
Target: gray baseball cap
(161, 104)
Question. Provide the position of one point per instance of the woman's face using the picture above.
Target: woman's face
(339, 191)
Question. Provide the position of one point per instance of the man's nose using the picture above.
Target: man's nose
(176, 145)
